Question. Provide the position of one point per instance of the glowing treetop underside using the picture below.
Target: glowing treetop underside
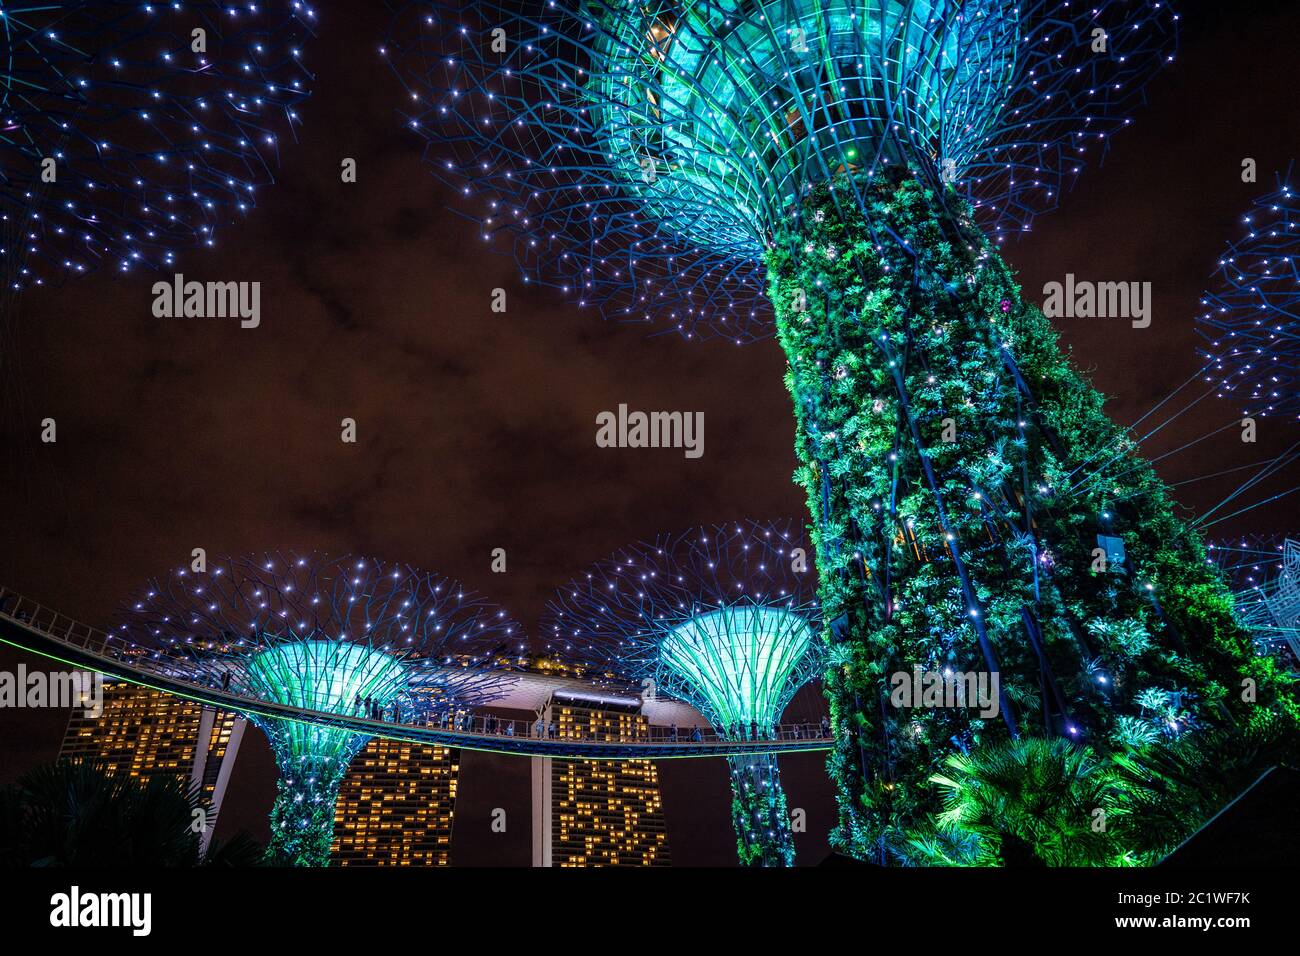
(725, 618)
(718, 114)
(643, 154)
(327, 677)
(739, 661)
(314, 631)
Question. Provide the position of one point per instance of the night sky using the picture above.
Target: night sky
(476, 430)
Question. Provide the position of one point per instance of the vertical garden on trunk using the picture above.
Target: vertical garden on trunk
(963, 482)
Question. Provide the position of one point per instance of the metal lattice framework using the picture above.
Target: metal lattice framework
(1264, 572)
(342, 635)
(645, 154)
(715, 616)
(725, 618)
(1252, 320)
(161, 119)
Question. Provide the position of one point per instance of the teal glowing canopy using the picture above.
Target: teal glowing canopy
(725, 618)
(328, 676)
(740, 660)
(717, 114)
(317, 631)
(646, 155)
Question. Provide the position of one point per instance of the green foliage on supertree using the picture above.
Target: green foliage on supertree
(960, 473)
(302, 817)
(759, 813)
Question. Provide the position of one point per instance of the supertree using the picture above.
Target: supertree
(337, 635)
(130, 130)
(858, 161)
(725, 618)
(1251, 322)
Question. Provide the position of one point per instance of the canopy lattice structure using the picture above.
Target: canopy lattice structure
(725, 618)
(335, 635)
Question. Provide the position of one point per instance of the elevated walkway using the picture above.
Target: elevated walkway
(30, 627)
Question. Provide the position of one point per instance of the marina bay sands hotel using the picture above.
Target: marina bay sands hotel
(397, 804)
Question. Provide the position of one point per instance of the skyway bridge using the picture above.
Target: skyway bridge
(35, 629)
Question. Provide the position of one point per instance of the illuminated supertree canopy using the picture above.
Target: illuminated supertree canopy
(725, 618)
(130, 131)
(335, 635)
(1251, 322)
(647, 155)
(738, 659)
(857, 163)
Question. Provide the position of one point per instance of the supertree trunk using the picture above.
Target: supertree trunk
(302, 818)
(758, 812)
(967, 494)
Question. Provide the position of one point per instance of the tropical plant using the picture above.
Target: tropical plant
(1026, 802)
(1035, 802)
(1129, 636)
(78, 813)
(1166, 793)
(1134, 731)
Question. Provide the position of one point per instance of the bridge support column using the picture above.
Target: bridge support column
(541, 785)
(223, 776)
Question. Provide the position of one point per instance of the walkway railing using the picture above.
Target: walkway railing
(29, 626)
(488, 725)
(25, 611)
